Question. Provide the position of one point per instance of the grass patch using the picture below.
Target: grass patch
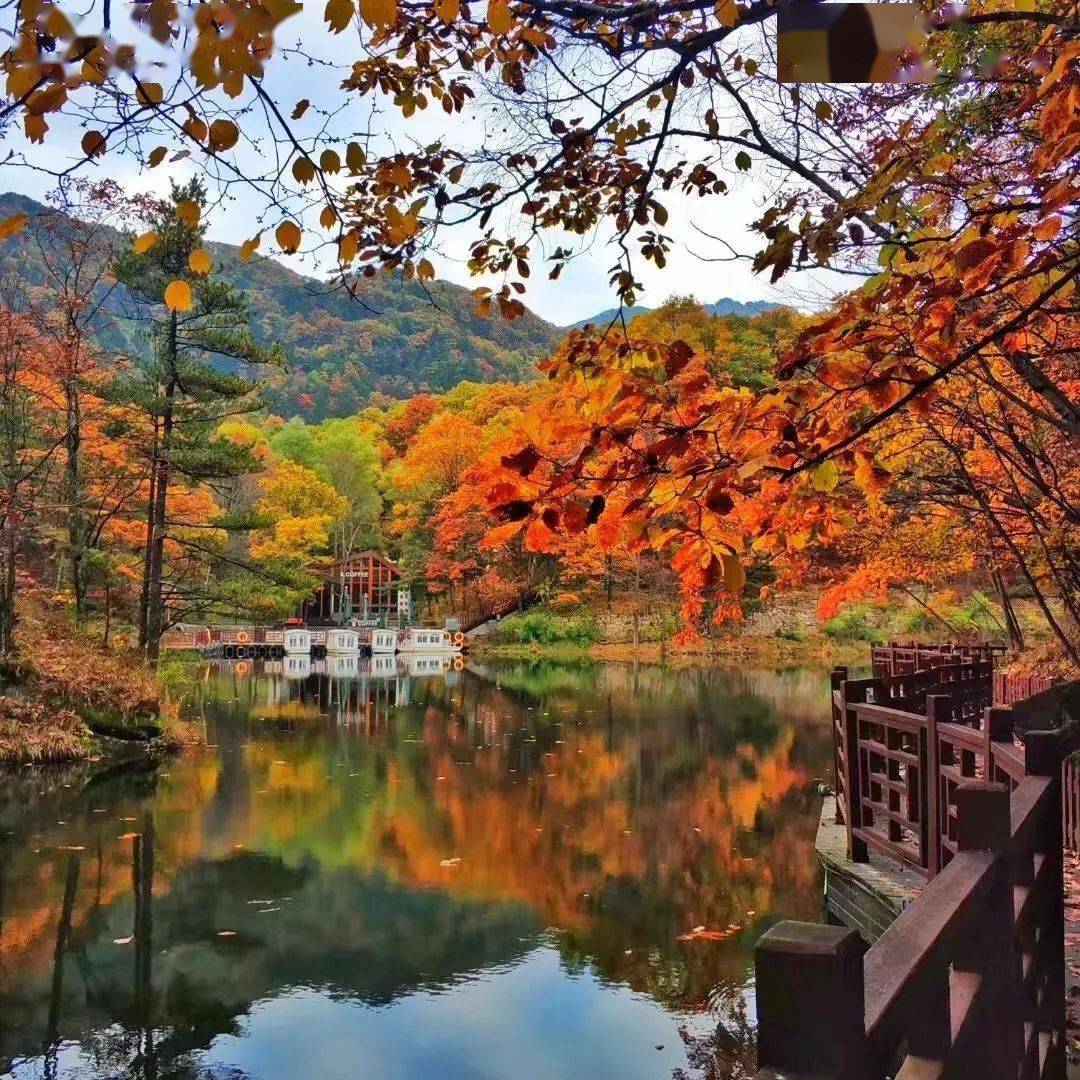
(853, 624)
(543, 628)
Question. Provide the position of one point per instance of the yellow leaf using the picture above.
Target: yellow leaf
(35, 127)
(303, 170)
(348, 246)
(327, 217)
(196, 128)
(727, 13)
(249, 247)
(826, 476)
(11, 225)
(330, 161)
(338, 14)
(144, 243)
(288, 236)
(734, 574)
(149, 93)
(355, 157)
(188, 212)
(499, 17)
(223, 135)
(379, 12)
(156, 156)
(448, 10)
(424, 270)
(178, 296)
(93, 143)
(200, 261)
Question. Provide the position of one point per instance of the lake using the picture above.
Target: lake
(526, 870)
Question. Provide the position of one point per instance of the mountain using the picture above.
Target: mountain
(396, 338)
(724, 306)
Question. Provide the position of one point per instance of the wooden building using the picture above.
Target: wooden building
(366, 585)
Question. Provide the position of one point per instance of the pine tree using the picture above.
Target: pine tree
(195, 376)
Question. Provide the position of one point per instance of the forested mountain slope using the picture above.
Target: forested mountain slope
(398, 338)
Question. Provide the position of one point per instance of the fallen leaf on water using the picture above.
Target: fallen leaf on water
(226, 933)
(127, 836)
(124, 940)
(70, 847)
(267, 910)
(699, 933)
(450, 864)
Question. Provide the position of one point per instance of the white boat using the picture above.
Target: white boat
(297, 641)
(378, 640)
(426, 663)
(340, 640)
(420, 639)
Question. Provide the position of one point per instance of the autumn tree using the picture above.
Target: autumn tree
(186, 388)
(299, 510)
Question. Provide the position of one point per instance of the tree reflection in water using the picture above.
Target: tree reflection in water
(375, 838)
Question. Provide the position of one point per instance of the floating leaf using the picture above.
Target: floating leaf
(124, 940)
(288, 236)
(200, 261)
(178, 296)
(144, 243)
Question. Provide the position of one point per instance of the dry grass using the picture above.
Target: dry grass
(32, 732)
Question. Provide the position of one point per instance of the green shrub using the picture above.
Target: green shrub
(974, 615)
(853, 624)
(790, 634)
(543, 628)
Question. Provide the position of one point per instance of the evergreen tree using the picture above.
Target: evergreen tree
(195, 376)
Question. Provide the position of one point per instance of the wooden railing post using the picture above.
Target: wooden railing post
(810, 1001)
(851, 691)
(1044, 755)
(836, 681)
(938, 711)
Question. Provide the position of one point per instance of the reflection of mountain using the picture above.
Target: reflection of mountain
(352, 935)
(420, 836)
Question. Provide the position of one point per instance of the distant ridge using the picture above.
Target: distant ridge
(399, 339)
(724, 306)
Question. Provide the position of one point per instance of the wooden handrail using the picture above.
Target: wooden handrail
(971, 976)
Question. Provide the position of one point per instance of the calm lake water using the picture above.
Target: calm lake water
(483, 874)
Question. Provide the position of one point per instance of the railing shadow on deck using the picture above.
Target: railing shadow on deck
(972, 974)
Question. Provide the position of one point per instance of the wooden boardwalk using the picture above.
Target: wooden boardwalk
(964, 795)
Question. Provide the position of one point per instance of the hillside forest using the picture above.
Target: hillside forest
(165, 485)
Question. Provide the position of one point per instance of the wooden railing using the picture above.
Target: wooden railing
(897, 659)
(972, 975)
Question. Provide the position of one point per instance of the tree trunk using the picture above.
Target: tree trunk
(76, 526)
(144, 592)
(1012, 624)
(155, 615)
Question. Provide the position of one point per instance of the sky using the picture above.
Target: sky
(581, 291)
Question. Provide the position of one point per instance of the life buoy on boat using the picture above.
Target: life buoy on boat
(242, 667)
(243, 637)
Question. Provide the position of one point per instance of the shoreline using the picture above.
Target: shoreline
(760, 650)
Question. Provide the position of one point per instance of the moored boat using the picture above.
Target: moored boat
(378, 639)
(340, 640)
(422, 639)
(296, 641)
